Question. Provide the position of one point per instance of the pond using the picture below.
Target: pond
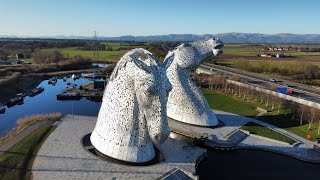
(46, 102)
(254, 164)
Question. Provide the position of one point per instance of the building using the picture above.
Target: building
(99, 84)
(19, 56)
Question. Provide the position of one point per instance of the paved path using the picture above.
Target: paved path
(303, 151)
(62, 156)
(23, 134)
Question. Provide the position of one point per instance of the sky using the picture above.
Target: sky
(157, 17)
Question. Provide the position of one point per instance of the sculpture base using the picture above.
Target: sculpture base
(87, 145)
(220, 123)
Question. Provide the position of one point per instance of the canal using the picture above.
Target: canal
(46, 102)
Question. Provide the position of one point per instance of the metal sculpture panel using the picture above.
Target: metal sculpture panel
(133, 114)
(186, 103)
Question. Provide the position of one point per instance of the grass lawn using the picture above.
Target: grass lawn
(226, 103)
(303, 130)
(259, 130)
(16, 163)
(284, 121)
(113, 56)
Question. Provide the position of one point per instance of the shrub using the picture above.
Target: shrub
(47, 56)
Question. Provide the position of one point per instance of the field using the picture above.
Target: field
(296, 66)
(110, 56)
(249, 50)
(117, 45)
(118, 50)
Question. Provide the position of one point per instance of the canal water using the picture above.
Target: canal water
(46, 102)
(254, 164)
(100, 65)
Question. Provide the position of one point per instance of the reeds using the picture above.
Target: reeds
(26, 122)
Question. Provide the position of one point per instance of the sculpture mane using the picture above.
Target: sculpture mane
(133, 113)
(186, 102)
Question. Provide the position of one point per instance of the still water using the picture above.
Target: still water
(46, 103)
(254, 164)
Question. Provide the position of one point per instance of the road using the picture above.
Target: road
(264, 82)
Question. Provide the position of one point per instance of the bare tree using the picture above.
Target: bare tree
(312, 116)
(302, 111)
(280, 103)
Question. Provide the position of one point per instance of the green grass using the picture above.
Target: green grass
(112, 56)
(116, 45)
(243, 51)
(226, 103)
(259, 130)
(16, 163)
(303, 130)
(282, 119)
(285, 122)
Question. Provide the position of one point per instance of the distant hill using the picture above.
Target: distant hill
(267, 38)
(225, 37)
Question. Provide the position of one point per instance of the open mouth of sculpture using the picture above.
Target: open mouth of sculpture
(219, 46)
(217, 50)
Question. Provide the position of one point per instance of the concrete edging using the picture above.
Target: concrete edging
(269, 139)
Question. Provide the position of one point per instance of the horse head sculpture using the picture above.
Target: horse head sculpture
(133, 114)
(186, 102)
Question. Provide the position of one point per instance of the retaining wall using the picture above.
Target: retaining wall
(284, 96)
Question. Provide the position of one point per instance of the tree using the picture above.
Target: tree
(313, 113)
(302, 110)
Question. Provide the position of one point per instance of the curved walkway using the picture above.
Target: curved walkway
(303, 151)
(23, 134)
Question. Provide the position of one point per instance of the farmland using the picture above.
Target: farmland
(297, 66)
(110, 56)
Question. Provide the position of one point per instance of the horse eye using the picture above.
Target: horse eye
(151, 89)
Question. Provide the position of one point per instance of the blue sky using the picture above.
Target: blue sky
(151, 17)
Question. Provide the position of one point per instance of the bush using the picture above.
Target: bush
(47, 56)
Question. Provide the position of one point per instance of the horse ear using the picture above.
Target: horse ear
(140, 64)
(168, 61)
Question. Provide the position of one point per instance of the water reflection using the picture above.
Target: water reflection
(46, 103)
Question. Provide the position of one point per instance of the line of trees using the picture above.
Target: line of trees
(298, 112)
(27, 47)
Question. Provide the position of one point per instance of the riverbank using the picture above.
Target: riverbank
(19, 147)
(29, 81)
(25, 123)
(16, 162)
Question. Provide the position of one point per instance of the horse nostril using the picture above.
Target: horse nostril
(158, 137)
